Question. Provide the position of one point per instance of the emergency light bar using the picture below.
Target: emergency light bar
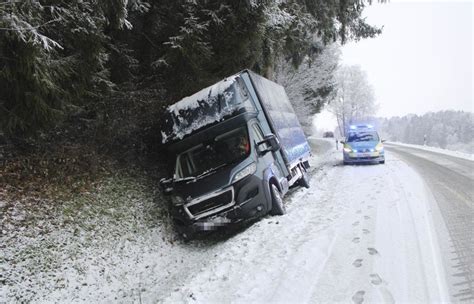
(355, 127)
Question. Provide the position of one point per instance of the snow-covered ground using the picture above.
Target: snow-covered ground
(437, 150)
(360, 233)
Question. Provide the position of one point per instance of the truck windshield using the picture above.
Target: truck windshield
(205, 158)
(363, 136)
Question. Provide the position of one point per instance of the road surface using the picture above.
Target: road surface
(451, 181)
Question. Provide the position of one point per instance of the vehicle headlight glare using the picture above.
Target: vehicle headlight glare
(250, 169)
(346, 149)
(379, 148)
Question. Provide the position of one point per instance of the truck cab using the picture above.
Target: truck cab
(230, 161)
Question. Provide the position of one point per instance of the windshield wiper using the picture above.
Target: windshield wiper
(183, 179)
(210, 171)
(195, 178)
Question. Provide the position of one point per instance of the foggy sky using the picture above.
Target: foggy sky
(423, 59)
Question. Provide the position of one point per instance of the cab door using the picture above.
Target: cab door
(266, 161)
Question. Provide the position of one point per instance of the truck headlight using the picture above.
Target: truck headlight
(379, 148)
(177, 200)
(250, 169)
(348, 150)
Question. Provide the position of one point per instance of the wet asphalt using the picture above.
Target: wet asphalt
(451, 181)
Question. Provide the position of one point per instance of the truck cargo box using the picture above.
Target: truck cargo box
(282, 118)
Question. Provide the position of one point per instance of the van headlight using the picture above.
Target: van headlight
(347, 149)
(177, 200)
(250, 169)
(379, 148)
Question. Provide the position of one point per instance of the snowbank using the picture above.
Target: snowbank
(321, 146)
(437, 150)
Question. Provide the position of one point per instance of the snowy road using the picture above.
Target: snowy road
(360, 234)
(451, 180)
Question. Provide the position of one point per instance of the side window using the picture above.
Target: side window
(244, 95)
(242, 89)
(259, 135)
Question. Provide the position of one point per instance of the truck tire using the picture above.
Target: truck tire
(278, 208)
(186, 234)
(188, 237)
(304, 180)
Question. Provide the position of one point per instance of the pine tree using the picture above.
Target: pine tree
(52, 53)
(55, 53)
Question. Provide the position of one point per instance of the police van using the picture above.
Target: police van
(362, 144)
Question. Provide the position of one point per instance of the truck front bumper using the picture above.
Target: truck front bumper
(249, 202)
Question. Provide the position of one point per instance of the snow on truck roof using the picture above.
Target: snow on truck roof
(209, 93)
(203, 108)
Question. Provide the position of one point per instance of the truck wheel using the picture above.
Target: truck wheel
(187, 237)
(186, 233)
(278, 208)
(304, 180)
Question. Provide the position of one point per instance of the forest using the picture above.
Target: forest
(61, 59)
(450, 130)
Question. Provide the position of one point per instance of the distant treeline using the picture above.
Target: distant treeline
(58, 57)
(452, 130)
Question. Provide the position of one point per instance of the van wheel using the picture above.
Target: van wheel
(278, 208)
(186, 234)
(187, 237)
(304, 180)
(382, 162)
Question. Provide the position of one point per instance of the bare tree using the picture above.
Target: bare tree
(354, 100)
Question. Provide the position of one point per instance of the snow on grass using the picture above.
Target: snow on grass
(459, 154)
(88, 248)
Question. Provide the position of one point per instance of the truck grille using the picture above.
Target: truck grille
(211, 205)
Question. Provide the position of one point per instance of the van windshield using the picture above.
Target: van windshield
(363, 136)
(207, 157)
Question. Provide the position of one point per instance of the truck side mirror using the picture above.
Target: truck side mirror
(272, 142)
(166, 186)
